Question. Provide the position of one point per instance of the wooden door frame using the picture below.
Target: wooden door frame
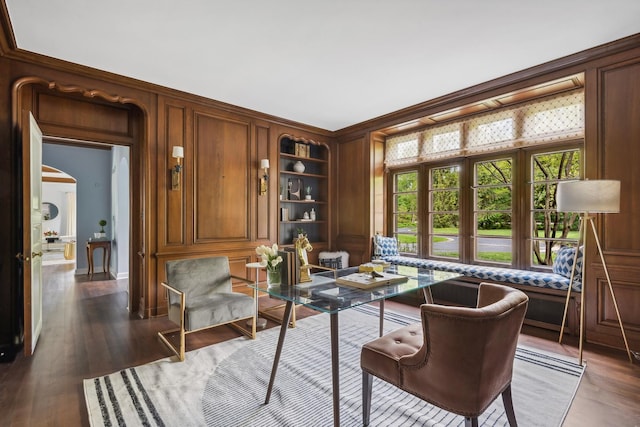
(138, 177)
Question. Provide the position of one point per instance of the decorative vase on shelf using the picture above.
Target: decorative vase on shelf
(298, 166)
(274, 277)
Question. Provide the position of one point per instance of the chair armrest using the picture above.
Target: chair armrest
(171, 288)
(183, 302)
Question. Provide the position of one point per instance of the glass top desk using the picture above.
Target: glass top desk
(324, 294)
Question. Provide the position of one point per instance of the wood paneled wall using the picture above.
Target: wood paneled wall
(616, 157)
(218, 210)
(612, 150)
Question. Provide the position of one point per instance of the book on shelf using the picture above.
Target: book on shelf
(301, 150)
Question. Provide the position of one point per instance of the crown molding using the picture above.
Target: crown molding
(549, 70)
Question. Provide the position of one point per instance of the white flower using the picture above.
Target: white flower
(269, 256)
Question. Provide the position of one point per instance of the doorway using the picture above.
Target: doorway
(102, 193)
(58, 217)
(73, 115)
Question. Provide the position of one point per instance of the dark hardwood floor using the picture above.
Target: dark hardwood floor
(88, 332)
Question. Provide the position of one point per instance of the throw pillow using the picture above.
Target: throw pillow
(385, 246)
(564, 261)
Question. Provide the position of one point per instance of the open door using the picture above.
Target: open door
(32, 237)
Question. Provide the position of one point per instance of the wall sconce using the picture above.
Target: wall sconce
(264, 179)
(178, 153)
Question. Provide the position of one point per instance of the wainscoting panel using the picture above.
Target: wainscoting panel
(222, 161)
(89, 120)
(175, 126)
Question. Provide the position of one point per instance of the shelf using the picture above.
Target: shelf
(309, 202)
(290, 245)
(308, 175)
(294, 157)
(315, 175)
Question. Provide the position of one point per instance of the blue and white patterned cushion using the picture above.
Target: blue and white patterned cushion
(385, 246)
(500, 274)
(564, 261)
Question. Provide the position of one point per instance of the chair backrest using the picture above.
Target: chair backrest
(199, 276)
(468, 352)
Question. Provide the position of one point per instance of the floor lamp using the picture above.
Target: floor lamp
(589, 197)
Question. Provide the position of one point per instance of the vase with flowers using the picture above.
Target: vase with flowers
(272, 261)
(51, 236)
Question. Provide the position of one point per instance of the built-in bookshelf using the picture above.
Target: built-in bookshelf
(304, 191)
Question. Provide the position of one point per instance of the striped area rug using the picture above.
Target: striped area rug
(225, 384)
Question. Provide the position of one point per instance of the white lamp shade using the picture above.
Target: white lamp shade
(264, 164)
(178, 152)
(595, 196)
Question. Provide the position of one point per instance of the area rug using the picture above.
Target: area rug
(225, 384)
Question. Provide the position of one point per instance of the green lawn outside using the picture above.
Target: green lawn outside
(403, 238)
(504, 257)
(506, 233)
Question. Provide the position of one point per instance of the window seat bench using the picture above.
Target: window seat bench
(547, 291)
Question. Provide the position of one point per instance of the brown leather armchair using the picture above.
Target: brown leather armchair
(459, 358)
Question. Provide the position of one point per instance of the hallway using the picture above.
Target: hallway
(87, 331)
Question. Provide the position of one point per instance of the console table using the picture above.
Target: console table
(106, 254)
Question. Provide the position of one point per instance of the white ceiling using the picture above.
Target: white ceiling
(326, 63)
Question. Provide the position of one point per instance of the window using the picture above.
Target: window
(403, 149)
(493, 181)
(405, 211)
(553, 118)
(551, 229)
(470, 211)
(444, 212)
(491, 130)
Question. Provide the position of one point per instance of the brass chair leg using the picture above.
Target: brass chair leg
(249, 333)
(178, 352)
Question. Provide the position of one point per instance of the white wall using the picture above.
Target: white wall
(120, 212)
(56, 193)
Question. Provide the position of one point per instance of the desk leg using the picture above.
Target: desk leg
(335, 369)
(381, 316)
(276, 359)
(428, 296)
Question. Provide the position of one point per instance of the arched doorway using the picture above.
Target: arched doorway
(76, 116)
(59, 216)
